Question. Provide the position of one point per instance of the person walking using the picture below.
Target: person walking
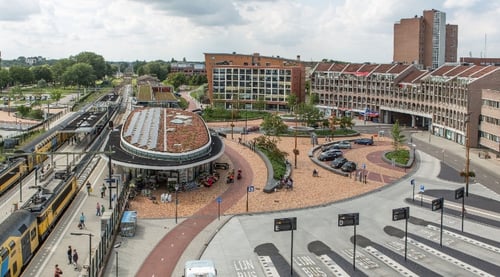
(82, 221)
(75, 259)
(69, 253)
(98, 209)
(89, 188)
(58, 272)
(102, 209)
(103, 190)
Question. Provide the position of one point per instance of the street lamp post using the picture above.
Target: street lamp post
(176, 201)
(232, 121)
(90, 249)
(467, 153)
(21, 173)
(116, 252)
(295, 150)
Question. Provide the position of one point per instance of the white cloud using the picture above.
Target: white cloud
(348, 30)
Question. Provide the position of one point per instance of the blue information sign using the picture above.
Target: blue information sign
(250, 188)
(422, 188)
(219, 199)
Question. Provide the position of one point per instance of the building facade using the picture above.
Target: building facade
(480, 61)
(246, 81)
(489, 129)
(188, 68)
(439, 100)
(427, 40)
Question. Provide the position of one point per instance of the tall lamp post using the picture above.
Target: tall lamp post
(90, 248)
(467, 153)
(232, 121)
(295, 150)
(109, 184)
(176, 201)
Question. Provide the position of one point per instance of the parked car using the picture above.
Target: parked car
(342, 145)
(348, 166)
(330, 155)
(338, 162)
(365, 141)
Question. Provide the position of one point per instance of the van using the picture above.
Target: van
(200, 268)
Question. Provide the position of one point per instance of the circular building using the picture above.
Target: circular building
(158, 145)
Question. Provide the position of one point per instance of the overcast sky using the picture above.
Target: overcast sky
(129, 30)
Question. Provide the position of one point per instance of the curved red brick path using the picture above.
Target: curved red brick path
(166, 254)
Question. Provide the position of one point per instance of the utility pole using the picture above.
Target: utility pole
(467, 153)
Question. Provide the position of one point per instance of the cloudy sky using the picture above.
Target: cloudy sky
(129, 30)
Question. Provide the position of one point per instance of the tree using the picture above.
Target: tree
(292, 102)
(56, 95)
(4, 78)
(176, 79)
(308, 113)
(42, 72)
(273, 125)
(21, 75)
(333, 122)
(60, 67)
(158, 69)
(313, 99)
(23, 110)
(346, 122)
(95, 61)
(81, 74)
(398, 139)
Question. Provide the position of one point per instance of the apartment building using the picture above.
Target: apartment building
(480, 61)
(188, 68)
(241, 81)
(489, 129)
(426, 40)
(440, 100)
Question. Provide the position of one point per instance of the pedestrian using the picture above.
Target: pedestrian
(98, 209)
(75, 259)
(103, 190)
(102, 209)
(58, 272)
(89, 188)
(69, 254)
(82, 220)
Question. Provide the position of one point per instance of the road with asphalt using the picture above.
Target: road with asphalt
(249, 245)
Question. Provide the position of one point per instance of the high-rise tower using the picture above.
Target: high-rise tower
(425, 40)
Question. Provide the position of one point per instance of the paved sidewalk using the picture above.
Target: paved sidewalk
(492, 165)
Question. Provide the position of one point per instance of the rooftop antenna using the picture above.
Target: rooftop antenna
(485, 42)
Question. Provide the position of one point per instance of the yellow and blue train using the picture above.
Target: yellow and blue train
(29, 157)
(26, 228)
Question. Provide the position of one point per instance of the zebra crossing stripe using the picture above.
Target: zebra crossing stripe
(390, 262)
(268, 266)
(332, 266)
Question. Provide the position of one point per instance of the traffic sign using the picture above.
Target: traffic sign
(364, 166)
(219, 199)
(348, 219)
(112, 180)
(285, 224)
(412, 182)
(400, 213)
(250, 189)
(437, 204)
(422, 188)
(459, 193)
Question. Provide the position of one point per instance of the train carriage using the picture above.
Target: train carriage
(10, 173)
(18, 241)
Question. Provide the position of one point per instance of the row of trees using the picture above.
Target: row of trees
(87, 67)
(81, 70)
